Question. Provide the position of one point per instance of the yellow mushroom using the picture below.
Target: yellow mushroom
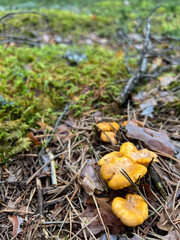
(108, 157)
(132, 210)
(111, 136)
(108, 126)
(110, 172)
(143, 157)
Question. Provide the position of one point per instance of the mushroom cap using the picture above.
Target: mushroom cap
(108, 126)
(111, 135)
(108, 157)
(143, 156)
(110, 172)
(132, 211)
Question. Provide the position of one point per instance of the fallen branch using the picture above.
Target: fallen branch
(141, 69)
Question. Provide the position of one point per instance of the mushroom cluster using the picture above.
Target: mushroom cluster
(108, 131)
(134, 163)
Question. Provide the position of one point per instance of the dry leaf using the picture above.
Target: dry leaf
(56, 210)
(96, 226)
(88, 184)
(16, 222)
(109, 219)
(44, 126)
(90, 176)
(33, 138)
(166, 80)
(152, 139)
(163, 223)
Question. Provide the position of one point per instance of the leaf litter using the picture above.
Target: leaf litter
(78, 179)
(79, 205)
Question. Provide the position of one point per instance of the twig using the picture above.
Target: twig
(53, 170)
(40, 196)
(129, 87)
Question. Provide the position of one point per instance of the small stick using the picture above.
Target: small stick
(53, 169)
(40, 196)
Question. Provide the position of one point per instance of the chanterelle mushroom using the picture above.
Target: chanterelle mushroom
(110, 172)
(108, 157)
(132, 211)
(108, 126)
(111, 135)
(143, 156)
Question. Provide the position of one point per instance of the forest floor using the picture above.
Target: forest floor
(64, 68)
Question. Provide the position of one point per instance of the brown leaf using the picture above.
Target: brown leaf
(102, 202)
(62, 131)
(33, 138)
(56, 210)
(44, 126)
(154, 140)
(163, 223)
(109, 219)
(16, 222)
(96, 226)
(88, 184)
(92, 173)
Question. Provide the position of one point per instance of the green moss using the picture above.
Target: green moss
(41, 81)
(12, 140)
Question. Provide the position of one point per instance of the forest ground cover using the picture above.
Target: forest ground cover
(77, 57)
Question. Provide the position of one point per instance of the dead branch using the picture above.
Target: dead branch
(129, 87)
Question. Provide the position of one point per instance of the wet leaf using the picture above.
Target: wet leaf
(16, 222)
(152, 139)
(111, 221)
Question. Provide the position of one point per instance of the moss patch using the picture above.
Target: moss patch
(41, 81)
